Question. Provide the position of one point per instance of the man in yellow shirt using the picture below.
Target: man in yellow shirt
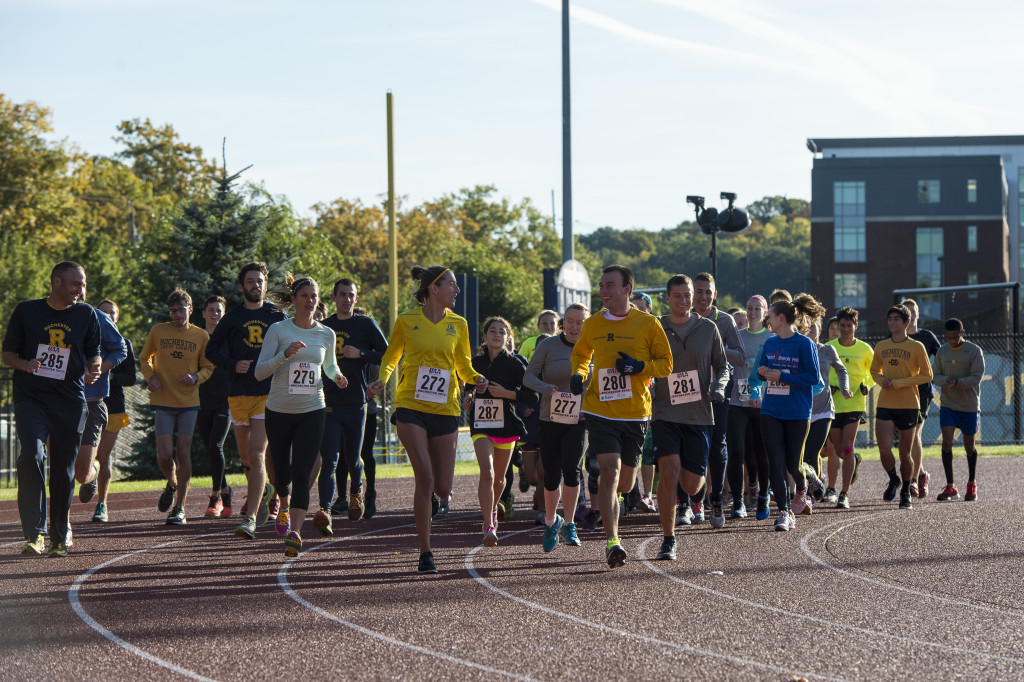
(628, 348)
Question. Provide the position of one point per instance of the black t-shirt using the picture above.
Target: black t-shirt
(64, 340)
(931, 345)
(363, 333)
(239, 336)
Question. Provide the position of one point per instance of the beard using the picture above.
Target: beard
(253, 297)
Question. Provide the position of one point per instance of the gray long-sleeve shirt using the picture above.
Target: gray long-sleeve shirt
(550, 368)
(696, 346)
(967, 365)
(828, 358)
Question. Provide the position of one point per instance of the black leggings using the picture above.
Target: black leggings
(745, 422)
(561, 451)
(816, 437)
(212, 426)
(294, 441)
(366, 454)
(784, 440)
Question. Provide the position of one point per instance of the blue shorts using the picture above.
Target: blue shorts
(967, 422)
(691, 442)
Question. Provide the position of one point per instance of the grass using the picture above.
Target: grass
(471, 469)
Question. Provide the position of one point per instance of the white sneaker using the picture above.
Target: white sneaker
(792, 519)
(782, 523)
(800, 501)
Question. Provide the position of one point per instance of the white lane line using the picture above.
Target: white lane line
(625, 633)
(820, 621)
(282, 580)
(804, 547)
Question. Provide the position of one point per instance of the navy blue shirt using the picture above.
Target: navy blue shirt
(121, 376)
(239, 336)
(363, 333)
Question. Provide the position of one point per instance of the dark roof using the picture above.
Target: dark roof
(819, 144)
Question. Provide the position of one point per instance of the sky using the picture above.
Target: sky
(669, 97)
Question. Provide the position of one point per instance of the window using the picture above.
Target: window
(927, 191)
(972, 191)
(848, 205)
(929, 270)
(851, 290)
(972, 278)
(972, 238)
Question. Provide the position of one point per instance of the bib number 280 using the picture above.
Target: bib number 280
(613, 386)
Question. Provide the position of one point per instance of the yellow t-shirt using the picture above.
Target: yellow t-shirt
(435, 360)
(857, 359)
(170, 354)
(639, 335)
(906, 364)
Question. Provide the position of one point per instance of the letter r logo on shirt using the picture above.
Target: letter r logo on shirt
(256, 334)
(56, 338)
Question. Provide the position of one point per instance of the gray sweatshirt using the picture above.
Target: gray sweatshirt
(549, 369)
(828, 358)
(696, 346)
(967, 365)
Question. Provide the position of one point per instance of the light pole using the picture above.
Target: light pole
(746, 293)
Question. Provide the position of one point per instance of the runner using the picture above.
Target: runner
(53, 344)
(359, 342)
(919, 481)
(642, 496)
(627, 348)
(562, 431)
(744, 432)
(234, 346)
(959, 367)
(739, 315)
(704, 295)
(547, 324)
(293, 353)
(117, 417)
(899, 364)
(214, 417)
(787, 376)
(173, 362)
(434, 344)
(683, 420)
(856, 356)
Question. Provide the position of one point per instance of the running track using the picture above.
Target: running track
(868, 594)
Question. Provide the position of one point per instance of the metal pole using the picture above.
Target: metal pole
(567, 245)
(392, 252)
(1015, 336)
(714, 255)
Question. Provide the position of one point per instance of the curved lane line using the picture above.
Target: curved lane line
(848, 523)
(820, 621)
(625, 633)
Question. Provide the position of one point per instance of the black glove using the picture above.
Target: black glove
(863, 389)
(576, 384)
(628, 366)
(835, 389)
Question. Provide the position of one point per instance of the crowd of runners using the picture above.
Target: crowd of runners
(700, 415)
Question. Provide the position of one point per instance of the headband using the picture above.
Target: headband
(437, 278)
(298, 284)
(759, 297)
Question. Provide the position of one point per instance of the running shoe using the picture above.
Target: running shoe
(292, 544)
(843, 501)
(949, 494)
(698, 512)
(632, 498)
(580, 515)
(762, 512)
(322, 523)
(890, 490)
(273, 508)
(782, 523)
(506, 506)
(590, 520)
(36, 547)
(814, 484)
(263, 511)
(340, 506)
(922, 484)
(830, 496)
(668, 549)
(446, 505)
(646, 504)
(370, 504)
(539, 519)
(905, 500)
(100, 515)
(490, 537)
(426, 563)
(551, 534)
(739, 511)
(971, 494)
(435, 504)
(355, 506)
(166, 497)
(856, 467)
(717, 515)
(802, 504)
(216, 506)
(87, 490)
(70, 540)
(684, 515)
(569, 537)
(58, 549)
(792, 520)
(176, 517)
(614, 553)
(913, 489)
(247, 529)
(226, 501)
(283, 522)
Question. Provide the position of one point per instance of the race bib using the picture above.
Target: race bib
(613, 386)
(743, 389)
(684, 387)
(565, 408)
(775, 388)
(53, 362)
(302, 377)
(488, 413)
(432, 384)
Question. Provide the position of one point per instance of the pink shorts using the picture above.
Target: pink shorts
(507, 440)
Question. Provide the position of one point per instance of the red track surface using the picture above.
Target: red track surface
(866, 594)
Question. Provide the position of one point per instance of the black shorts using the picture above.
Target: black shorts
(923, 413)
(690, 441)
(624, 438)
(434, 424)
(903, 419)
(95, 423)
(843, 418)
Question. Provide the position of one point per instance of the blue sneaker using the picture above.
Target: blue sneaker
(762, 508)
(739, 511)
(568, 535)
(551, 534)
